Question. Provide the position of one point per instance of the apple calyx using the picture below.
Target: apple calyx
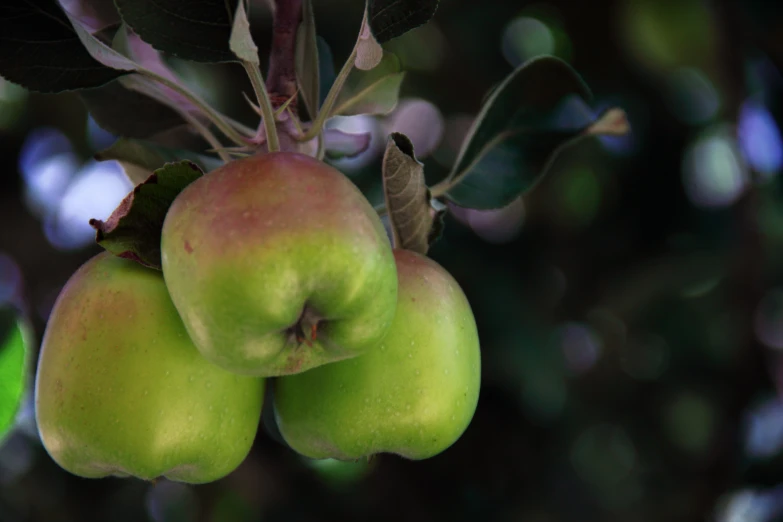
(305, 329)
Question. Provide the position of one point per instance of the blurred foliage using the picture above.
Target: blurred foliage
(629, 307)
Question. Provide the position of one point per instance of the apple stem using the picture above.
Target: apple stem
(281, 78)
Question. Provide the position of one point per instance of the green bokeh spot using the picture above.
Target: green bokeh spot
(580, 196)
(337, 472)
(13, 372)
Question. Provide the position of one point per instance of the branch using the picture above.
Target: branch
(281, 78)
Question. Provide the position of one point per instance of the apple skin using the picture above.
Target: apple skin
(121, 389)
(258, 251)
(413, 395)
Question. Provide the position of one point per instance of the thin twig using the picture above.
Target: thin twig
(257, 80)
(331, 98)
(202, 129)
(215, 117)
(207, 135)
(281, 78)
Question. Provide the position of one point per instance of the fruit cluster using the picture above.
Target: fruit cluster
(272, 266)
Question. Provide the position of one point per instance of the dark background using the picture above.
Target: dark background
(630, 307)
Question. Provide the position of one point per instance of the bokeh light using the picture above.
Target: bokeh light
(690, 419)
(495, 226)
(16, 457)
(769, 319)
(759, 138)
(420, 121)
(95, 193)
(578, 192)
(10, 280)
(422, 49)
(357, 125)
(339, 473)
(581, 347)
(714, 173)
(750, 505)
(604, 455)
(663, 35)
(97, 137)
(47, 164)
(172, 502)
(764, 429)
(525, 38)
(691, 96)
(645, 357)
(13, 102)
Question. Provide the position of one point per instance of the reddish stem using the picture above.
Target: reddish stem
(281, 78)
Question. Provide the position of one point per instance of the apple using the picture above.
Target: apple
(277, 263)
(414, 394)
(121, 389)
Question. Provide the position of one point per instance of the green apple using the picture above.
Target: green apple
(413, 395)
(277, 263)
(121, 389)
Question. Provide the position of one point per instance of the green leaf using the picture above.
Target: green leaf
(408, 200)
(198, 31)
(14, 365)
(41, 51)
(392, 18)
(371, 92)
(517, 161)
(307, 61)
(378, 98)
(527, 94)
(241, 41)
(128, 113)
(326, 72)
(149, 156)
(133, 231)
